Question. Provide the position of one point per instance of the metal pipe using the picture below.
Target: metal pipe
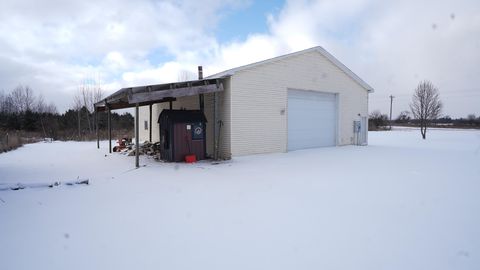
(200, 97)
(200, 72)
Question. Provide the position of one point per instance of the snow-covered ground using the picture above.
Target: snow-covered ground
(399, 203)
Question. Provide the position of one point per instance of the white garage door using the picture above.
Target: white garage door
(312, 118)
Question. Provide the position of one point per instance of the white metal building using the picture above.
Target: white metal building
(300, 100)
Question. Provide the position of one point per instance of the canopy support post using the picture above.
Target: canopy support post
(109, 131)
(150, 128)
(215, 126)
(96, 128)
(137, 146)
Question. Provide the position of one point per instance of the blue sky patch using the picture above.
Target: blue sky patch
(159, 56)
(237, 24)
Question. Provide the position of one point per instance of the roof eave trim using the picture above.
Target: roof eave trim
(344, 68)
(321, 50)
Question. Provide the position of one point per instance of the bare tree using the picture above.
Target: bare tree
(18, 96)
(23, 98)
(51, 108)
(403, 117)
(471, 118)
(426, 105)
(3, 102)
(29, 100)
(377, 120)
(89, 93)
(97, 96)
(41, 106)
(77, 106)
(86, 94)
(7, 104)
(185, 75)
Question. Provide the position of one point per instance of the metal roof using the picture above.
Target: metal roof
(157, 93)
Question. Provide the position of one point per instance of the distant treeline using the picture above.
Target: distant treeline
(377, 120)
(21, 112)
(63, 126)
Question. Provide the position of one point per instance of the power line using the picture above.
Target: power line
(450, 95)
(454, 92)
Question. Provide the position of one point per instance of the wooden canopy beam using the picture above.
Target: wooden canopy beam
(150, 122)
(177, 92)
(158, 93)
(124, 104)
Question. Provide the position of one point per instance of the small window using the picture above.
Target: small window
(146, 124)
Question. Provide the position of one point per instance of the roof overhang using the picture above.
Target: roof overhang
(158, 93)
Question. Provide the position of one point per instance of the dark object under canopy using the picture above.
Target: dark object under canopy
(182, 133)
(182, 116)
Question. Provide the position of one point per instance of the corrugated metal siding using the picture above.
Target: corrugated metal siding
(259, 101)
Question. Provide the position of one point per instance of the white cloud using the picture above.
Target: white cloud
(168, 72)
(392, 45)
(115, 61)
(51, 45)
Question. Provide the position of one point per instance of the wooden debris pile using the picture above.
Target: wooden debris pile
(145, 148)
(126, 147)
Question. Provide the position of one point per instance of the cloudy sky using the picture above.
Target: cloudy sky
(55, 45)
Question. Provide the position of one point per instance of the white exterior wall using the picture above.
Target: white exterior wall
(224, 114)
(145, 116)
(259, 95)
(189, 103)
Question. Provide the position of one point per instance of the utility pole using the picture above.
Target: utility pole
(391, 104)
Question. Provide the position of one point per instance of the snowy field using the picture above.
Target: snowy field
(399, 203)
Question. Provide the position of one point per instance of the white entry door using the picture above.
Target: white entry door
(312, 119)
